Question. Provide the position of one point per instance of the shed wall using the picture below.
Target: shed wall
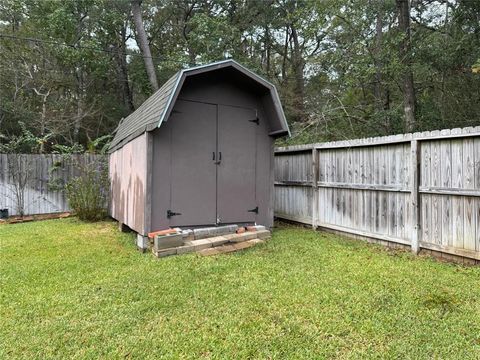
(128, 178)
(215, 90)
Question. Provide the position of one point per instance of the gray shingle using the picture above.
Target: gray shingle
(150, 114)
(147, 116)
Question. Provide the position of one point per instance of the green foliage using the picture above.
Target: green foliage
(88, 193)
(99, 145)
(476, 67)
(56, 182)
(25, 142)
(96, 146)
(338, 76)
(67, 149)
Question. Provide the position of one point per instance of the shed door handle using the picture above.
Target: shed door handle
(219, 158)
(213, 156)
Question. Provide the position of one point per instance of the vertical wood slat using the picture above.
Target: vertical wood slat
(315, 174)
(414, 196)
(457, 201)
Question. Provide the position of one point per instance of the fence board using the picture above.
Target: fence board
(364, 187)
(40, 196)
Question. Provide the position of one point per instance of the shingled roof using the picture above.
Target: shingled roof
(151, 114)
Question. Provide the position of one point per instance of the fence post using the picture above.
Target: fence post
(314, 187)
(414, 195)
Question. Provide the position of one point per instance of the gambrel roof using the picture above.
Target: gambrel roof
(156, 109)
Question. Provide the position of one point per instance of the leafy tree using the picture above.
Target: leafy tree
(343, 68)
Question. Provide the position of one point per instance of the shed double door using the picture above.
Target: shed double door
(213, 164)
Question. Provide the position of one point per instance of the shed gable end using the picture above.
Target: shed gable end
(156, 109)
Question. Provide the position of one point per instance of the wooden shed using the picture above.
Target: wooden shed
(198, 152)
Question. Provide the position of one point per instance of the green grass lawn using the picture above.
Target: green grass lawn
(75, 290)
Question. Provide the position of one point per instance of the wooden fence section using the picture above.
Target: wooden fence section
(421, 189)
(42, 193)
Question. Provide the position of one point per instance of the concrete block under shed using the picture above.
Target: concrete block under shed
(185, 249)
(165, 252)
(188, 235)
(142, 242)
(199, 244)
(202, 233)
(226, 248)
(218, 240)
(263, 234)
(209, 252)
(256, 241)
(244, 237)
(168, 241)
(256, 228)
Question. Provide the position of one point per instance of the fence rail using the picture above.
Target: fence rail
(41, 192)
(421, 189)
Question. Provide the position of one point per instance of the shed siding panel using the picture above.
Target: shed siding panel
(161, 177)
(128, 169)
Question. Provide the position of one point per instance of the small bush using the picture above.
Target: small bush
(87, 193)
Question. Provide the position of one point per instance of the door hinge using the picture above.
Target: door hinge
(170, 213)
(256, 121)
(254, 210)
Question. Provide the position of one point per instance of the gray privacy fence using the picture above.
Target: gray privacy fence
(30, 177)
(421, 189)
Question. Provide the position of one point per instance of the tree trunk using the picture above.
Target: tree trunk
(298, 66)
(377, 91)
(442, 104)
(192, 56)
(285, 54)
(81, 91)
(268, 45)
(403, 7)
(43, 121)
(143, 43)
(380, 93)
(122, 70)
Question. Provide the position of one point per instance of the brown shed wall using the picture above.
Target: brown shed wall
(128, 177)
(215, 90)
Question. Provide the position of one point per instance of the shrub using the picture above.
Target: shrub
(88, 193)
